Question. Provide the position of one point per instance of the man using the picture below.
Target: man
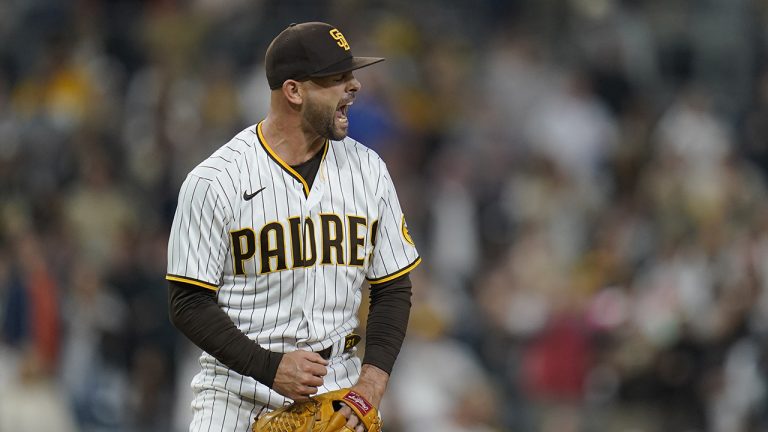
(273, 237)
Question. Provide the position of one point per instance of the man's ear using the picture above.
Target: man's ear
(293, 92)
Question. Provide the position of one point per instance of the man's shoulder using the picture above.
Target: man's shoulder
(226, 162)
(230, 155)
(240, 145)
(246, 138)
(356, 150)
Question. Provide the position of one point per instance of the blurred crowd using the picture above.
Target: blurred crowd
(585, 179)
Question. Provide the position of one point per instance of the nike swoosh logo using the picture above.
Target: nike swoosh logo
(247, 196)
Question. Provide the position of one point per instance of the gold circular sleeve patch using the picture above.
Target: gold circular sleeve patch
(406, 234)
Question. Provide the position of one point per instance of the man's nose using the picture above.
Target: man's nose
(354, 85)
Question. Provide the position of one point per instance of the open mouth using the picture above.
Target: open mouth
(342, 111)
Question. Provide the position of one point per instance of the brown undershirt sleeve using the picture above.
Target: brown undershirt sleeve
(387, 322)
(195, 312)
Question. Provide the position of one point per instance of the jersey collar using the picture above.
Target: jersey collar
(283, 164)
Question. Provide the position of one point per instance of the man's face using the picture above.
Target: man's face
(327, 104)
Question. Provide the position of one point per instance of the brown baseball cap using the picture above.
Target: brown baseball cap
(310, 50)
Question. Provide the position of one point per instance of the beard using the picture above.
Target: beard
(323, 121)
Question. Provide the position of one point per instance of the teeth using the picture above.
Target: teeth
(344, 108)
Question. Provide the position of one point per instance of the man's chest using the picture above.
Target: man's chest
(278, 226)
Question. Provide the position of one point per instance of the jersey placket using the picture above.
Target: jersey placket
(296, 187)
(309, 208)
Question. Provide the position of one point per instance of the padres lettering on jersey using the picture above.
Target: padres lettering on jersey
(339, 245)
(287, 261)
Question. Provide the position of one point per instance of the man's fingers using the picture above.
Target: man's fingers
(352, 420)
(315, 369)
(312, 380)
(303, 393)
(313, 363)
(316, 358)
(300, 374)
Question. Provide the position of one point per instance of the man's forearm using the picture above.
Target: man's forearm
(372, 383)
(195, 313)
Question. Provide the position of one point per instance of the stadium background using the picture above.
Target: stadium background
(586, 180)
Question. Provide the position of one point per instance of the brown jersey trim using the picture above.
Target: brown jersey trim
(282, 163)
(184, 279)
(396, 274)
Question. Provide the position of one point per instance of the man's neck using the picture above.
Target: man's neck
(287, 138)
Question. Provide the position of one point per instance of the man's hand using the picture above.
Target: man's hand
(371, 385)
(299, 374)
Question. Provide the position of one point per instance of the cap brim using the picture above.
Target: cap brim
(346, 65)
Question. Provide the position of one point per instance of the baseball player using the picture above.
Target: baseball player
(273, 237)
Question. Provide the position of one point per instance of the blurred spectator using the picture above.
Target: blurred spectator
(454, 226)
(573, 129)
(89, 375)
(458, 395)
(97, 211)
(31, 402)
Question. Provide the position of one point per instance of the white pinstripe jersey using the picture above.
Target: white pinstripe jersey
(238, 231)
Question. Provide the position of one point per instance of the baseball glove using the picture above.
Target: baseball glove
(320, 414)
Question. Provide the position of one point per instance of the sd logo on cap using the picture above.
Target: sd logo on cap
(304, 51)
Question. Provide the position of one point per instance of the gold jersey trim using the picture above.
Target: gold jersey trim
(191, 281)
(397, 274)
(292, 172)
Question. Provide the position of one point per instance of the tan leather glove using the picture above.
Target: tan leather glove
(320, 414)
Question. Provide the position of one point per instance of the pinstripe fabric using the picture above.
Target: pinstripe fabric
(297, 307)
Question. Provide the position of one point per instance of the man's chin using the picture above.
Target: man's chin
(339, 132)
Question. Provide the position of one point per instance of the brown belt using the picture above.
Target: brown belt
(349, 342)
